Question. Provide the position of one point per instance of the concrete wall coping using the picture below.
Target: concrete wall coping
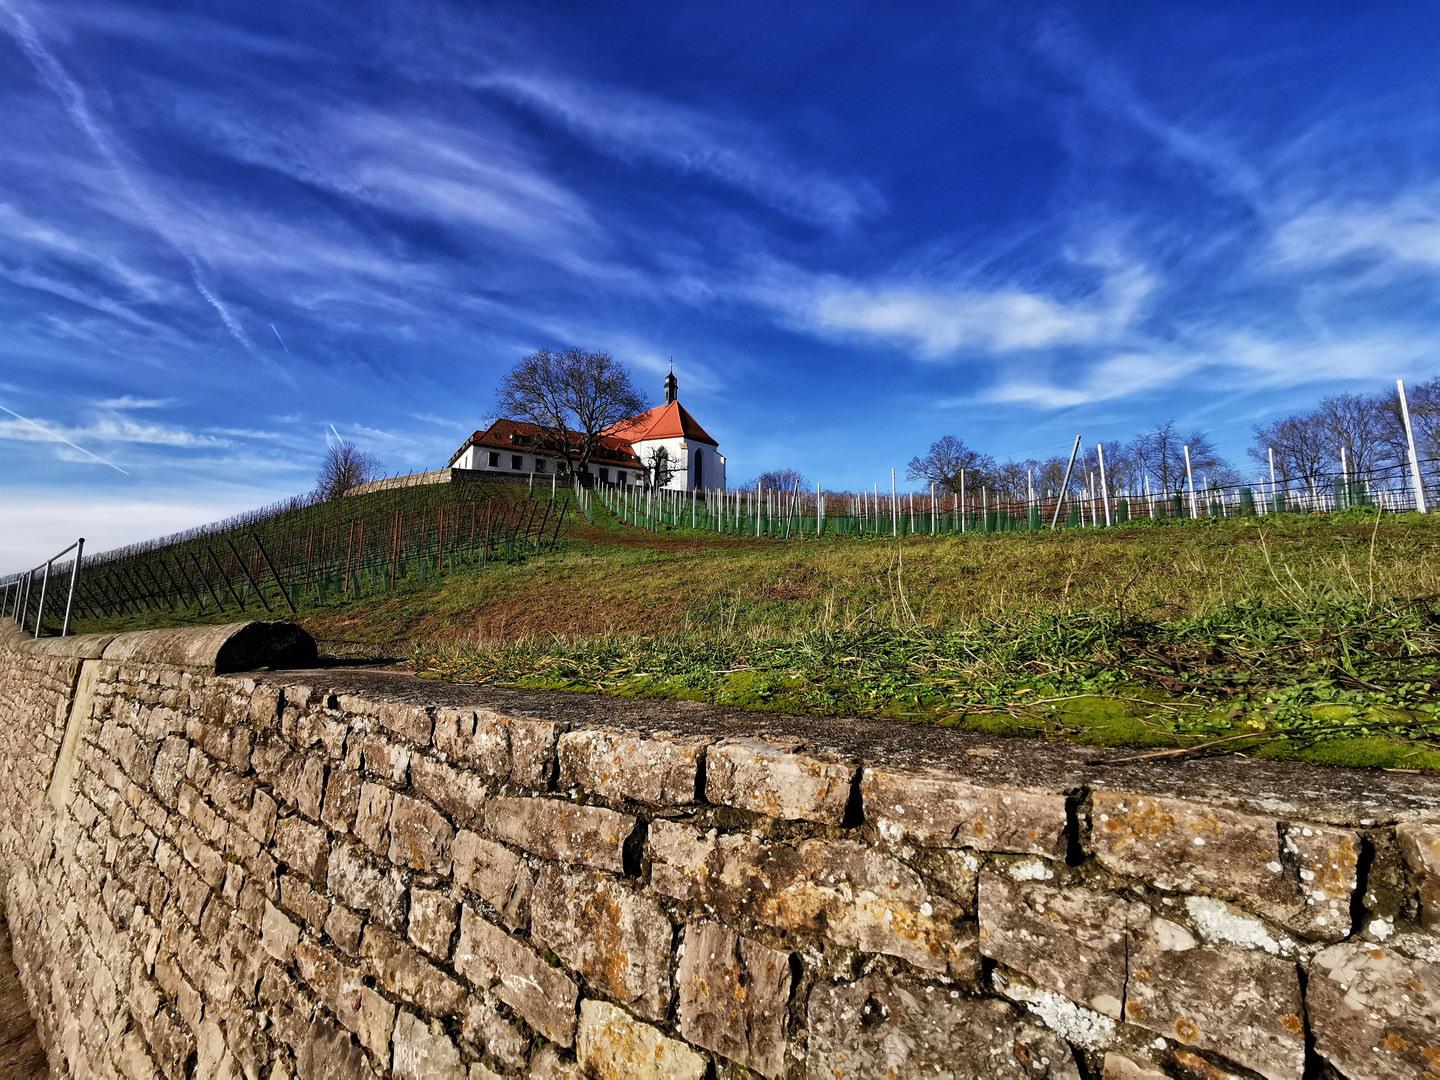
(210, 650)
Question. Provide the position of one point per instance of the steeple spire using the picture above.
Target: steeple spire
(672, 387)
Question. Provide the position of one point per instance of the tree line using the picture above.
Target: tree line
(1364, 431)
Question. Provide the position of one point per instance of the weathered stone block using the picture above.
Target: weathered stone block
(305, 848)
(612, 1045)
(404, 971)
(342, 799)
(1304, 878)
(554, 829)
(384, 758)
(366, 887)
(1375, 1014)
(344, 926)
(882, 1028)
(618, 941)
(411, 722)
(778, 782)
(302, 901)
(1072, 941)
(423, 1053)
(662, 769)
(432, 921)
(496, 874)
(460, 794)
(1420, 846)
(1242, 1004)
(734, 993)
(482, 1027)
(278, 934)
(936, 809)
(510, 749)
(342, 990)
(854, 895)
(419, 836)
(372, 819)
(544, 996)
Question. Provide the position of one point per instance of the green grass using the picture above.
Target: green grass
(1306, 635)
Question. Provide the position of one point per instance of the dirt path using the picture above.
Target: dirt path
(21, 1056)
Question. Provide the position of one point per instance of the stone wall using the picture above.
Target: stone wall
(331, 873)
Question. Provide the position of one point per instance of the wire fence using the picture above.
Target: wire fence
(1083, 502)
(307, 553)
(22, 593)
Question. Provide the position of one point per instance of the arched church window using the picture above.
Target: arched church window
(699, 469)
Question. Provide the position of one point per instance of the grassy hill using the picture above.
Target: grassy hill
(1291, 636)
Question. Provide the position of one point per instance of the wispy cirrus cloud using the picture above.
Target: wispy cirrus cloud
(638, 127)
(1404, 230)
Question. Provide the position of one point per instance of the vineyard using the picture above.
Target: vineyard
(306, 553)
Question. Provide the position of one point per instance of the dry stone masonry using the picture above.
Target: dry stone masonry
(215, 868)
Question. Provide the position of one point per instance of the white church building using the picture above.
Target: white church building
(664, 444)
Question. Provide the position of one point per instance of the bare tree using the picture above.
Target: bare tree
(780, 480)
(573, 397)
(944, 462)
(1160, 452)
(1301, 446)
(1355, 424)
(659, 468)
(343, 468)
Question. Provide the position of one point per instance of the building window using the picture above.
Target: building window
(605, 475)
(517, 462)
(539, 464)
(699, 469)
(494, 459)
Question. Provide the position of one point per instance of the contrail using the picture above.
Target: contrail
(337, 434)
(61, 438)
(72, 97)
(282, 341)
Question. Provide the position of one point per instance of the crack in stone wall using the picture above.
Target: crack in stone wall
(268, 876)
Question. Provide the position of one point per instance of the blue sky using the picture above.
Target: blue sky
(855, 227)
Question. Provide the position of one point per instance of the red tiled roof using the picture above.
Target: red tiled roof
(662, 422)
(499, 435)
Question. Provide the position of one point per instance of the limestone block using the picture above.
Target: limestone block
(1375, 1014)
(278, 934)
(305, 848)
(554, 829)
(510, 749)
(937, 809)
(459, 793)
(324, 1051)
(1245, 1005)
(544, 996)
(483, 1028)
(342, 799)
(419, 836)
(883, 1027)
(495, 874)
(778, 782)
(310, 786)
(547, 1064)
(612, 1045)
(300, 900)
(365, 887)
(1120, 1067)
(410, 722)
(734, 993)
(433, 917)
(1420, 845)
(405, 971)
(1303, 879)
(663, 769)
(341, 989)
(856, 896)
(1073, 941)
(372, 820)
(384, 758)
(423, 1053)
(617, 940)
(260, 822)
(344, 927)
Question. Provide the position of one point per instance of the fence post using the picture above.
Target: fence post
(1414, 458)
(40, 611)
(1190, 479)
(1064, 485)
(74, 573)
(1104, 490)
